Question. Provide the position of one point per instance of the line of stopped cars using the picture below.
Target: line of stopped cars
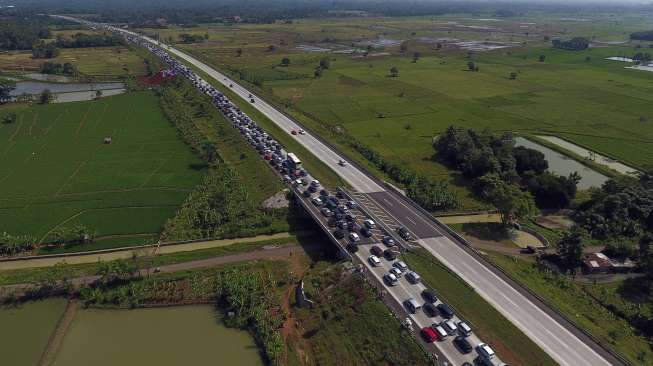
(343, 214)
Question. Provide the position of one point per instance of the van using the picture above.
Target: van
(450, 326)
(446, 311)
(413, 277)
(441, 332)
(430, 310)
(401, 265)
(485, 351)
(412, 305)
(464, 329)
(430, 295)
(463, 345)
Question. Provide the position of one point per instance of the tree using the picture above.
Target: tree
(394, 71)
(209, 153)
(416, 56)
(646, 254)
(6, 87)
(542, 58)
(513, 75)
(9, 118)
(46, 97)
(271, 48)
(115, 272)
(471, 66)
(325, 63)
(512, 203)
(317, 73)
(570, 249)
(529, 160)
(239, 52)
(285, 61)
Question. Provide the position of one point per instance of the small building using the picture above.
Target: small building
(594, 263)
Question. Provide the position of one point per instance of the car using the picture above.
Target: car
(340, 194)
(450, 326)
(267, 157)
(388, 241)
(390, 279)
(306, 194)
(352, 247)
(390, 254)
(352, 226)
(463, 345)
(366, 232)
(396, 272)
(251, 100)
(464, 329)
(293, 132)
(441, 332)
(315, 183)
(231, 85)
(304, 182)
(286, 179)
(369, 223)
(350, 217)
(353, 237)
(342, 224)
(413, 277)
(429, 295)
(332, 221)
(400, 265)
(326, 212)
(376, 251)
(317, 201)
(312, 189)
(302, 132)
(446, 311)
(342, 163)
(485, 351)
(351, 204)
(374, 260)
(430, 309)
(429, 335)
(339, 234)
(324, 192)
(403, 232)
(412, 305)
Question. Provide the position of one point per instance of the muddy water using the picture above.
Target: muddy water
(25, 330)
(564, 165)
(185, 335)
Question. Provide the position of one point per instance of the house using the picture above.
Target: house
(601, 263)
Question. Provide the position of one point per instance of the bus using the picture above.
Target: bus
(292, 158)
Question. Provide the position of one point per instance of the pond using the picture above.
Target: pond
(26, 328)
(68, 92)
(564, 165)
(184, 335)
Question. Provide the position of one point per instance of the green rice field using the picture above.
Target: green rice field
(56, 170)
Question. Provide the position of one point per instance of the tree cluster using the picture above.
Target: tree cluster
(45, 50)
(6, 87)
(21, 35)
(622, 208)
(574, 44)
(16, 244)
(193, 38)
(66, 68)
(63, 235)
(83, 40)
(490, 160)
(642, 36)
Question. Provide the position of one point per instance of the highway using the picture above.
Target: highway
(565, 344)
(554, 338)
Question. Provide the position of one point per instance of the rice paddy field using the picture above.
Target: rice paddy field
(576, 95)
(56, 170)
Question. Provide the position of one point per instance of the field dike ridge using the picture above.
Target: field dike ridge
(56, 338)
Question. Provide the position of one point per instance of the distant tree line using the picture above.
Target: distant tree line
(21, 35)
(193, 38)
(642, 36)
(54, 68)
(574, 44)
(45, 50)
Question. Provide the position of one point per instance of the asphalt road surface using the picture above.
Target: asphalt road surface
(561, 341)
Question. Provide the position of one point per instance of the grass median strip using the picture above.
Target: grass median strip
(513, 346)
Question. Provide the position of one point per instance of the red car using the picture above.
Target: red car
(267, 157)
(429, 334)
(293, 132)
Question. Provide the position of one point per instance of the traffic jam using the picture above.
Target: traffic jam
(375, 248)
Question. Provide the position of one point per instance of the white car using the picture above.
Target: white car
(374, 261)
(302, 132)
(391, 279)
(369, 223)
(485, 351)
(342, 163)
(396, 271)
(317, 201)
(315, 183)
(353, 237)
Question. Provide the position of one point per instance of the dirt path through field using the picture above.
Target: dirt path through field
(57, 336)
(127, 253)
